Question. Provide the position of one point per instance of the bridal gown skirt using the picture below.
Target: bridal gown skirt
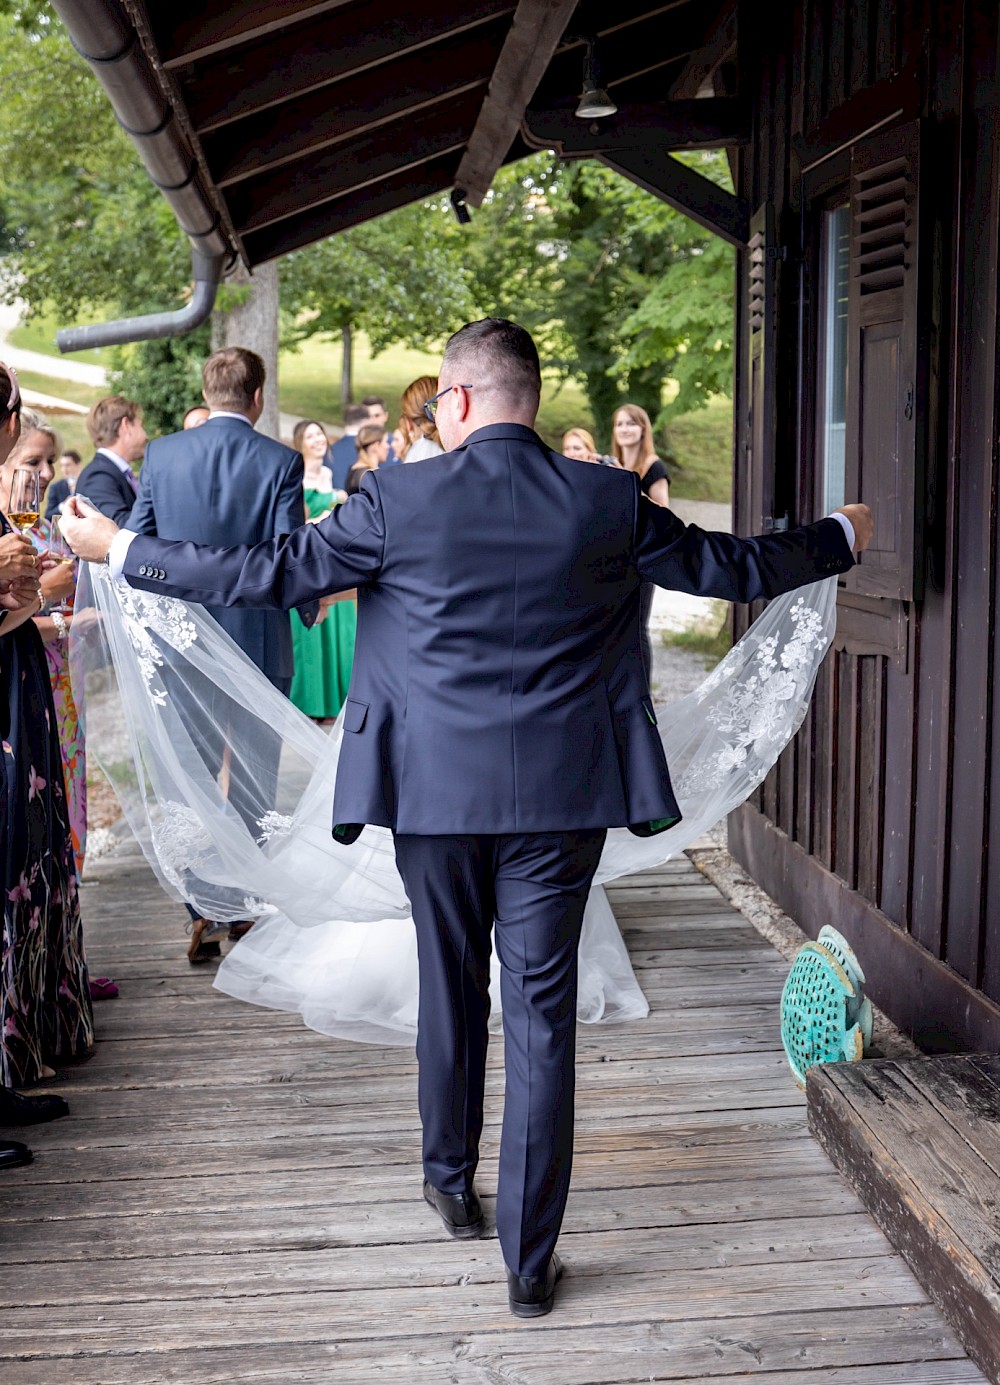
(333, 939)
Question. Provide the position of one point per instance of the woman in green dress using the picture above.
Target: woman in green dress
(324, 654)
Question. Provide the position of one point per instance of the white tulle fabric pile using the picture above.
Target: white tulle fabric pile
(159, 680)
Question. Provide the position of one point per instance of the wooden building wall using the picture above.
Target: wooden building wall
(883, 818)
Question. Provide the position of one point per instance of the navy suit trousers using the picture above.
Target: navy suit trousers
(532, 888)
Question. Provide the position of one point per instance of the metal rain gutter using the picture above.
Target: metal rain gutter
(102, 33)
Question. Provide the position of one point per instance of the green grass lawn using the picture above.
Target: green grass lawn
(309, 382)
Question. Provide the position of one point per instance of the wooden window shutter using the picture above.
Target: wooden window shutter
(882, 460)
(761, 308)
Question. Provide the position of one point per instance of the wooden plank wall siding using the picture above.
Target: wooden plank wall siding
(892, 787)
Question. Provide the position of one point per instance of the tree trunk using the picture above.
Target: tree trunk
(253, 323)
(346, 367)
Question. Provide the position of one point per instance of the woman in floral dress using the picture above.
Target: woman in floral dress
(45, 1007)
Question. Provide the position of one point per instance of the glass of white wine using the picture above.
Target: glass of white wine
(25, 499)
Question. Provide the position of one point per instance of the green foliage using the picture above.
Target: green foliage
(164, 376)
(622, 292)
(399, 278)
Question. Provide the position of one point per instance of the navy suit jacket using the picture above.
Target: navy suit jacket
(225, 484)
(107, 488)
(57, 492)
(340, 458)
(498, 685)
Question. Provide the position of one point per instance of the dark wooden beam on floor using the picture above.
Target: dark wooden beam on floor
(395, 148)
(717, 42)
(364, 204)
(709, 124)
(190, 30)
(310, 124)
(691, 193)
(288, 66)
(535, 33)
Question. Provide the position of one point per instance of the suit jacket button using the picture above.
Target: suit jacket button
(142, 571)
(163, 575)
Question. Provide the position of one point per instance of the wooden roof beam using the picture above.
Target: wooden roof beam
(413, 185)
(190, 30)
(689, 192)
(718, 41)
(299, 128)
(535, 34)
(314, 57)
(392, 149)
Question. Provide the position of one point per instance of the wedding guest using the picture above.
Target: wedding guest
(633, 447)
(373, 450)
(379, 415)
(398, 442)
(36, 451)
(579, 444)
(324, 654)
(70, 463)
(420, 434)
(45, 1006)
(108, 481)
(195, 417)
(343, 454)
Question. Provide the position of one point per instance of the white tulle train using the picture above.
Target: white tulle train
(159, 680)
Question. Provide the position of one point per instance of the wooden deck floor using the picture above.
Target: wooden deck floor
(237, 1199)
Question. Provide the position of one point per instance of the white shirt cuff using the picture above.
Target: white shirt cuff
(847, 527)
(118, 552)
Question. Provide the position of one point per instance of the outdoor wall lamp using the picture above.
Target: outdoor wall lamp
(594, 100)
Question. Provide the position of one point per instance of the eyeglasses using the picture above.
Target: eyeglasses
(431, 407)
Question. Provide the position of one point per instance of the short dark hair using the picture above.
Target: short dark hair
(72, 454)
(372, 401)
(231, 377)
(501, 353)
(355, 413)
(106, 417)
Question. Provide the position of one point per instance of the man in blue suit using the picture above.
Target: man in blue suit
(499, 721)
(108, 481)
(344, 452)
(225, 484)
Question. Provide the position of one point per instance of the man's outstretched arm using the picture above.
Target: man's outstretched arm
(686, 558)
(344, 550)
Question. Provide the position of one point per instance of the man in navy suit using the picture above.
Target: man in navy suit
(108, 481)
(225, 484)
(499, 721)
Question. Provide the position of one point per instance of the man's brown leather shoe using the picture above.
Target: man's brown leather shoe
(460, 1212)
(531, 1295)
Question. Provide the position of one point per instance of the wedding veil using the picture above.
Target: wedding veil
(188, 732)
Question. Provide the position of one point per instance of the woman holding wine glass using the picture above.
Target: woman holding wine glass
(24, 479)
(46, 1013)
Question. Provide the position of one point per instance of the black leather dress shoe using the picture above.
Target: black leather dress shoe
(29, 1110)
(530, 1295)
(460, 1212)
(13, 1155)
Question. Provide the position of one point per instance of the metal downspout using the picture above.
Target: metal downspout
(103, 35)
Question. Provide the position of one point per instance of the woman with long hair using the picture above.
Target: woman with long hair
(580, 445)
(324, 654)
(632, 446)
(45, 1005)
(420, 435)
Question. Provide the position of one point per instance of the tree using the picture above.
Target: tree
(399, 278)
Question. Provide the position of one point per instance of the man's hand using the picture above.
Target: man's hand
(86, 530)
(864, 527)
(17, 558)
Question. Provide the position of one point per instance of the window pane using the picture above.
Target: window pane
(833, 416)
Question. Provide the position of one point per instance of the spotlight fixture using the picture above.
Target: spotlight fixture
(462, 214)
(595, 103)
